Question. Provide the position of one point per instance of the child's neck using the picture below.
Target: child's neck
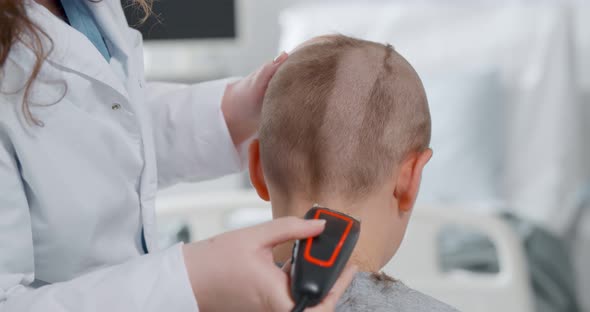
(367, 254)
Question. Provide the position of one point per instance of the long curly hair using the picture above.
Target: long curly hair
(15, 26)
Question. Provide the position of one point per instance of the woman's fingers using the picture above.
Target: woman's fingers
(287, 266)
(242, 101)
(287, 229)
(342, 284)
(268, 70)
(281, 58)
(329, 303)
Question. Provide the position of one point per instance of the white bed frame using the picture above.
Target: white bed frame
(416, 262)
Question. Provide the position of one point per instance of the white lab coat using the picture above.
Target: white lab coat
(76, 193)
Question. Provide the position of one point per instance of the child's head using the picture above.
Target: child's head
(345, 124)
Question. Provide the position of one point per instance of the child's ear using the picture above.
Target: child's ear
(409, 178)
(256, 174)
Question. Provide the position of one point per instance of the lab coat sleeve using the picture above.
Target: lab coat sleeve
(152, 283)
(191, 137)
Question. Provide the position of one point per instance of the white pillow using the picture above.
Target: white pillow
(467, 139)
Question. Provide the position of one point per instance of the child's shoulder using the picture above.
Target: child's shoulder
(370, 292)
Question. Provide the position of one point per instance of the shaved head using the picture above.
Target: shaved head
(339, 116)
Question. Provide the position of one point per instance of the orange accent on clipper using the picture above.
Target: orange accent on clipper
(328, 263)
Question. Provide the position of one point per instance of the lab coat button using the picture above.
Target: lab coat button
(116, 106)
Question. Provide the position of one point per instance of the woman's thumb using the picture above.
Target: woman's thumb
(287, 229)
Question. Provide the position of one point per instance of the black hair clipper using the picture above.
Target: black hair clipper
(318, 261)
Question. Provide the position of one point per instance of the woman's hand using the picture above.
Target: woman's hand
(329, 303)
(236, 272)
(242, 101)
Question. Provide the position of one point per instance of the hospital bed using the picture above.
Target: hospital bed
(416, 263)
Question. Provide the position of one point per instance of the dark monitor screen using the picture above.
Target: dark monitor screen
(182, 19)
